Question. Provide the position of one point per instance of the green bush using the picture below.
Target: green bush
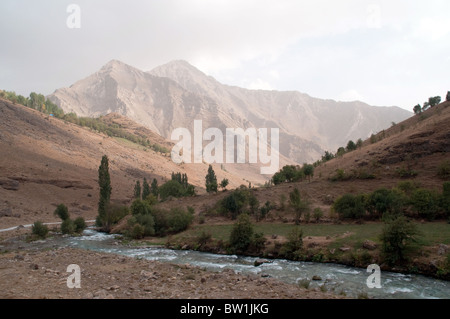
(68, 227)
(62, 212)
(241, 234)
(80, 225)
(140, 207)
(317, 214)
(172, 221)
(384, 201)
(444, 169)
(137, 231)
(171, 188)
(234, 204)
(445, 199)
(397, 237)
(350, 206)
(294, 244)
(425, 203)
(39, 229)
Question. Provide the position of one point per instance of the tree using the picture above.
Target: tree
(308, 170)
(300, 206)
(351, 146)
(104, 182)
(425, 203)
(39, 229)
(417, 109)
(62, 212)
(171, 188)
(327, 156)
(145, 189)
(154, 188)
(448, 96)
(211, 180)
(137, 190)
(224, 183)
(397, 236)
(241, 234)
(384, 201)
(340, 151)
(433, 101)
(359, 143)
(350, 206)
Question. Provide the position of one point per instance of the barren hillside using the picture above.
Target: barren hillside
(46, 161)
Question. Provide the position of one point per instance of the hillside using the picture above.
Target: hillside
(49, 161)
(420, 144)
(175, 94)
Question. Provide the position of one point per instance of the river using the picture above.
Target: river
(337, 278)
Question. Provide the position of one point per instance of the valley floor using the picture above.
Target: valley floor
(29, 274)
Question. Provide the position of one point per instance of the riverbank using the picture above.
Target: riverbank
(42, 274)
(355, 245)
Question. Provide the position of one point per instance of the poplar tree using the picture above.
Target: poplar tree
(211, 180)
(104, 183)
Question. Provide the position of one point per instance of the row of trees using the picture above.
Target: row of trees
(292, 173)
(40, 103)
(432, 102)
(405, 199)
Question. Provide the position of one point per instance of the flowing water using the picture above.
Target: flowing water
(338, 278)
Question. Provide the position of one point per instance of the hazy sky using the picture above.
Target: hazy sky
(381, 52)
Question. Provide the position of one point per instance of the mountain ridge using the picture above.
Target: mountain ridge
(174, 94)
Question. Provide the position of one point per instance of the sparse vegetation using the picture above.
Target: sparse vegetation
(39, 230)
(444, 170)
(299, 205)
(397, 237)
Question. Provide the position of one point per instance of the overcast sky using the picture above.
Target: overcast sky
(381, 52)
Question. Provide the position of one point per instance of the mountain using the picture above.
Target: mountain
(174, 94)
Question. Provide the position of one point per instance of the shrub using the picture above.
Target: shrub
(171, 188)
(257, 243)
(318, 214)
(140, 207)
(172, 221)
(62, 212)
(80, 225)
(39, 229)
(445, 199)
(407, 187)
(112, 215)
(397, 236)
(293, 245)
(425, 203)
(300, 206)
(137, 231)
(241, 234)
(444, 170)
(235, 202)
(68, 227)
(383, 201)
(406, 172)
(204, 238)
(179, 220)
(350, 206)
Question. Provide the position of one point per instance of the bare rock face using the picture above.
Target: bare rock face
(174, 94)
